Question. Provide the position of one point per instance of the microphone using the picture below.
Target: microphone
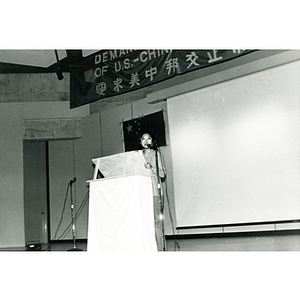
(152, 145)
(73, 180)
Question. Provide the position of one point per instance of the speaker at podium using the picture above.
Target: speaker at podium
(121, 214)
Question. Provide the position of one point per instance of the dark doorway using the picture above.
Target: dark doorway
(35, 191)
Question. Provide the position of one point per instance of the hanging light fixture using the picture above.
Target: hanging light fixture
(59, 73)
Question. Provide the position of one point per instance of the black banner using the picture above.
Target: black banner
(113, 72)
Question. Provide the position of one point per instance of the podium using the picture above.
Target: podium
(121, 214)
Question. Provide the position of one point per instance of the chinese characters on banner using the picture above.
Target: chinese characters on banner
(112, 72)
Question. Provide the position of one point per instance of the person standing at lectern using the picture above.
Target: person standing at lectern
(153, 159)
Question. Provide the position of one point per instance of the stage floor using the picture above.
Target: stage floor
(259, 242)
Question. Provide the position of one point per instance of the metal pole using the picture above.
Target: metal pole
(73, 217)
(160, 198)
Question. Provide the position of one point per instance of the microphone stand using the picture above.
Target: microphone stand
(73, 217)
(160, 195)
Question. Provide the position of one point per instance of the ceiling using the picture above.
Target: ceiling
(39, 61)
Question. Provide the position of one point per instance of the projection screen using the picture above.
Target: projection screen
(235, 150)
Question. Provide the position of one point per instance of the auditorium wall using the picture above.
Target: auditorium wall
(11, 161)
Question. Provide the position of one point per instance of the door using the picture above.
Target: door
(35, 191)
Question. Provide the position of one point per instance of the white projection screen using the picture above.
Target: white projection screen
(235, 150)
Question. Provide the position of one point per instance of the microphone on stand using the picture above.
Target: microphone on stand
(153, 146)
(73, 217)
(72, 180)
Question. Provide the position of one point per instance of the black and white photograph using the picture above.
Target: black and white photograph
(121, 158)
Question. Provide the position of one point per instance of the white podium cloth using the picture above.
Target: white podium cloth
(121, 214)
